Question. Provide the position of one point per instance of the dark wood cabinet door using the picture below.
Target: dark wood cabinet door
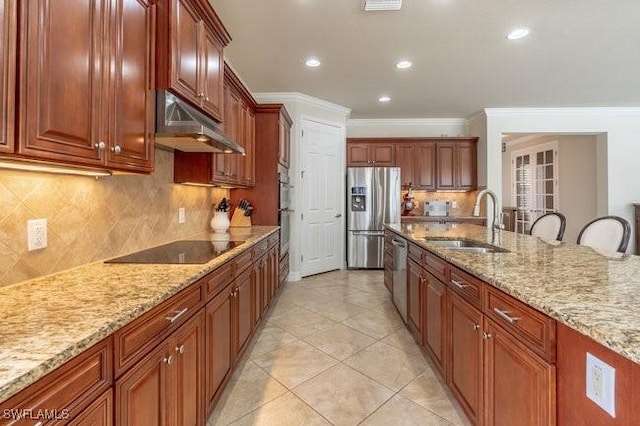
(8, 32)
(99, 413)
(186, 30)
(274, 271)
(189, 355)
(446, 170)
(465, 372)
(259, 284)
(519, 385)
(244, 312)
(284, 142)
(212, 75)
(131, 142)
(358, 154)
(218, 342)
(381, 154)
(248, 167)
(62, 82)
(425, 166)
(435, 330)
(142, 394)
(405, 159)
(415, 279)
(467, 163)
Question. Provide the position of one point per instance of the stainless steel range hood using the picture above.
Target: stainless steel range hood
(181, 126)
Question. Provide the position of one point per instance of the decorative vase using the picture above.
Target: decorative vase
(220, 222)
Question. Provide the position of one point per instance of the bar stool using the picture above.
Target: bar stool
(549, 227)
(607, 233)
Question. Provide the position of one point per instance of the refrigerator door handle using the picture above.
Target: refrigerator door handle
(369, 233)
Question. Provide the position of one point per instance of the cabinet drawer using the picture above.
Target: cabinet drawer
(71, 387)
(219, 279)
(273, 240)
(533, 328)
(467, 286)
(243, 261)
(135, 339)
(260, 249)
(438, 267)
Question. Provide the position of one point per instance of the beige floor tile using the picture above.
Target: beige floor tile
(337, 310)
(295, 363)
(343, 395)
(427, 391)
(387, 308)
(250, 388)
(340, 341)
(367, 300)
(284, 309)
(302, 323)
(390, 366)
(401, 411)
(270, 337)
(287, 410)
(404, 341)
(372, 323)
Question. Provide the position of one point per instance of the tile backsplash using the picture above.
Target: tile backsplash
(95, 219)
(464, 201)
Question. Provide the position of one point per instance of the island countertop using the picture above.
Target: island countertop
(46, 321)
(592, 293)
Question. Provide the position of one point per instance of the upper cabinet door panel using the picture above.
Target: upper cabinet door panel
(133, 130)
(62, 84)
(7, 73)
(425, 166)
(186, 55)
(381, 154)
(446, 166)
(212, 83)
(405, 157)
(357, 154)
(467, 165)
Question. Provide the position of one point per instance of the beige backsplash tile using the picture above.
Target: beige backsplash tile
(464, 200)
(91, 220)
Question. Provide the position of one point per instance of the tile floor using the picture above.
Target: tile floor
(335, 351)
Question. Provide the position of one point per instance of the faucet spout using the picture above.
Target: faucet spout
(495, 217)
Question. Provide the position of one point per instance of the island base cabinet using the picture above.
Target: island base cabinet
(415, 282)
(465, 375)
(435, 327)
(245, 296)
(99, 413)
(166, 386)
(519, 386)
(219, 358)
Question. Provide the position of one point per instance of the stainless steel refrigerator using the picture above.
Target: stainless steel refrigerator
(373, 199)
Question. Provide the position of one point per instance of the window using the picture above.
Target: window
(534, 183)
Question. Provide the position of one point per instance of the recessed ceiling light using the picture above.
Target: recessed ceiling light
(313, 62)
(518, 33)
(403, 64)
(384, 98)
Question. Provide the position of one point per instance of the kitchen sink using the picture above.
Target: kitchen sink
(466, 245)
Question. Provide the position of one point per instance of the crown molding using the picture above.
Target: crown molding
(476, 116)
(406, 122)
(561, 112)
(302, 98)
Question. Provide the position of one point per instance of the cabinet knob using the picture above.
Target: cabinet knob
(100, 146)
(486, 335)
(180, 349)
(475, 326)
(168, 360)
(206, 99)
(116, 149)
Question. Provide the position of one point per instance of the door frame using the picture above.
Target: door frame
(297, 223)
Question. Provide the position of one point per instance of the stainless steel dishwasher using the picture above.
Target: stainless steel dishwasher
(400, 276)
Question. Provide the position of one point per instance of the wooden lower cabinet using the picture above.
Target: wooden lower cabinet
(415, 280)
(260, 284)
(243, 315)
(99, 413)
(166, 386)
(519, 386)
(435, 300)
(218, 341)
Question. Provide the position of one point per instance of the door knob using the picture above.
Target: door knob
(116, 149)
(338, 215)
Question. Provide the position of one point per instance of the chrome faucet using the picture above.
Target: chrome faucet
(496, 218)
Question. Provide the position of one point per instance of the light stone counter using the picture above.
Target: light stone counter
(596, 295)
(46, 321)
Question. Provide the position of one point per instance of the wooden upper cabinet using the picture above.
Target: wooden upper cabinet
(424, 173)
(381, 155)
(358, 154)
(96, 111)
(284, 138)
(248, 176)
(8, 32)
(467, 162)
(405, 159)
(370, 154)
(190, 43)
(446, 165)
(457, 164)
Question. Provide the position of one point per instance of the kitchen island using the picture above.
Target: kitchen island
(582, 301)
(48, 321)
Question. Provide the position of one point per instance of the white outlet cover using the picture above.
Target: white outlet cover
(601, 384)
(181, 215)
(36, 234)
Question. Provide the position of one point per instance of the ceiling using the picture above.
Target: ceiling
(579, 53)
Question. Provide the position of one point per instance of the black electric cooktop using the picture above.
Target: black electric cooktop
(180, 252)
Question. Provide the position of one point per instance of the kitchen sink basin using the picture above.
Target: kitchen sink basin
(466, 245)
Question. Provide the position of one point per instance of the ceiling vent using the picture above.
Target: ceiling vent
(375, 5)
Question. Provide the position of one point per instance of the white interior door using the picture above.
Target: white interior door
(322, 198)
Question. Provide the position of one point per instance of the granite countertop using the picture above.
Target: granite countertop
(46, 321)
(596, 294)
(418, 218)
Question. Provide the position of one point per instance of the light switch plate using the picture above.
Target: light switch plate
(601, 384)
(181, 215)
(36, 234)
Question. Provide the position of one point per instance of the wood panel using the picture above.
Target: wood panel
(415, 279)
(357, 154)
(381, 155)
(189, 352)
(8, 32)
(243, 321)
(99, 413)
(467, 166)
(405, 157)
(573, 405)
(219, 357)
(435, 325)
(446, 169)
(425, 166)
(213, 74)
(185, 49)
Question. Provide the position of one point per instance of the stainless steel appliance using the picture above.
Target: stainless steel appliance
(373, 199)
(185, 251)
(400, 276)
(284, 210)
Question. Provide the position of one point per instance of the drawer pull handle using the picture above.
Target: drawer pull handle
(180, 349)
(168, 360)
(475, 326)
(504, 316)
(177, 315)
(486, 335)
(459, 284)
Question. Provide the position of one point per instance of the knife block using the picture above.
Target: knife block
(239, 219)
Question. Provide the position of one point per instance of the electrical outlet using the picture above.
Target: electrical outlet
(181, 217)
(36, 234)
(601, 384)
(454, 204)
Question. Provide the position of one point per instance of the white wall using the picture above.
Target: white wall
(477, 124)
(302, 106)
(621, 126)
(406, 128)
